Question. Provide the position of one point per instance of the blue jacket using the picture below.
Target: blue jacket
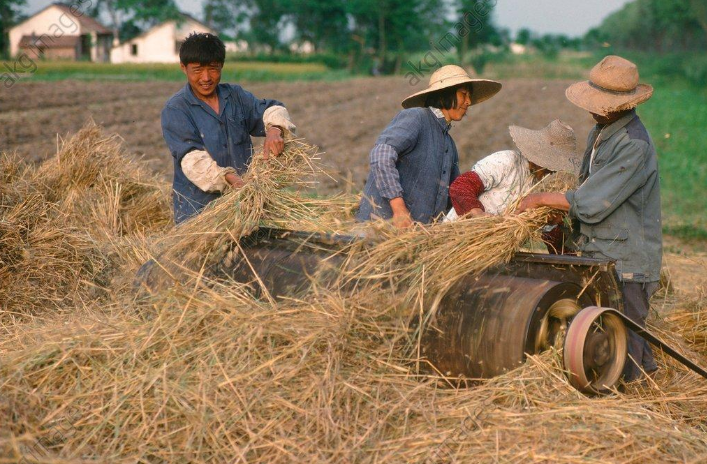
(189, 124)
(427, 163)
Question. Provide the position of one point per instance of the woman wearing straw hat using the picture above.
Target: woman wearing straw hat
(415, 159)
(617, 205)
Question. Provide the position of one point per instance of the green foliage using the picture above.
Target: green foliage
(9, 16)
(321, 22)
(658, 25)
(371, 33)
(130, 17)
(330, 60)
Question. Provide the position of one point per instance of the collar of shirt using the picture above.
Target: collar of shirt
(604, 132)
(222, 93)
(440, 117)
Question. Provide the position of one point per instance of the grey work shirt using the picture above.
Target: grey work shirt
(617, 205)
(418, 151)
(189, 124)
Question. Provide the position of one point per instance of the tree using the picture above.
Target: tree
(226, 16)
(266, 21)
(260, 22)
(476, 15)
(131, 16)
(396, 27)
(524, 36)
(657, 25)
(324, 23)
(9, 16)
(699, 11)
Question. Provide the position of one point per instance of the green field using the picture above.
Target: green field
(242, 70)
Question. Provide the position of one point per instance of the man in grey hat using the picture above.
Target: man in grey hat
(617, 205)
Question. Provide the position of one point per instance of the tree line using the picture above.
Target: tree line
(656, 26)
(382, 34)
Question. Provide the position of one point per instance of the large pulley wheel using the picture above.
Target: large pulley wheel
(595, 350)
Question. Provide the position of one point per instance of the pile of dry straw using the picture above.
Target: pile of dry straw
(67, 225)
(207, 373)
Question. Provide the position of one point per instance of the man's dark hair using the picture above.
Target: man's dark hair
(446, 99)
(202, 48)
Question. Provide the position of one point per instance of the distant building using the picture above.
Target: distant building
(160, 44)
(518, 49)
(61, 31)
(236, 46)
(303, 48)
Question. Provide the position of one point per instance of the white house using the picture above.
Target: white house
(61, 31)
(160, 44)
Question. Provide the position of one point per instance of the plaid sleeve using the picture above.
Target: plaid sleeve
(383, 159)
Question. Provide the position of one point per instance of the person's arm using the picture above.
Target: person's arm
(556, 200)
(266, 117)
(464, 192)
(383, 159)
(396, 140)
(187, 147)
(201, 169)
(603, 191)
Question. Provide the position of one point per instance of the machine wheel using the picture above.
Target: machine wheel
(554, 324)
(595, 350)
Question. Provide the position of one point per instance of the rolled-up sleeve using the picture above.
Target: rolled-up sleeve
(201, 169)
(180, 133)
(609, 186)
(278, 116)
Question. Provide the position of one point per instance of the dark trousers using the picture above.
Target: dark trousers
(636, 306)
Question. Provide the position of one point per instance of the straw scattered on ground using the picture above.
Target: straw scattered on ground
(208, 373)
(71, 224)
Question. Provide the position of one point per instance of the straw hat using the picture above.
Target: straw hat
(553, 147)
(449, 76)
(612, 86)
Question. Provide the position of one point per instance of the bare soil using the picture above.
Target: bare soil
(343, 118)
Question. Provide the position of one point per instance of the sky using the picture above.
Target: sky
(570, 17)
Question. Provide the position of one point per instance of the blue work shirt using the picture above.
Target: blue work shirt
(189, 124)
(426, 160)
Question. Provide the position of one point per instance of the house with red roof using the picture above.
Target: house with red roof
(62, 31)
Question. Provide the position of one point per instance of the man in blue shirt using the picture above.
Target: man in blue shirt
(207, 127)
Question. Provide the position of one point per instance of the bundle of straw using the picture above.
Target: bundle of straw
(45, 262)
(428, 260)
(68, 226)
(93, 176)
(271, 197)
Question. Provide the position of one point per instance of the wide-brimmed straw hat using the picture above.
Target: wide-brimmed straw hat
(450, 76)
(612, 86)
(553, 147)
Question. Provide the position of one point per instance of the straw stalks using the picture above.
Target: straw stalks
(214, 376)
(272, 196)
(209, 373)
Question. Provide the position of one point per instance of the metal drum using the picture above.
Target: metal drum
(484, 327)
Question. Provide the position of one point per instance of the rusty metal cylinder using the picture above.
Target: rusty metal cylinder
(485, 326)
